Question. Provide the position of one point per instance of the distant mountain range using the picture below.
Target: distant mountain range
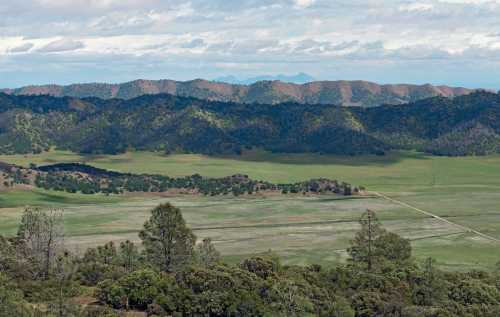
(300, 78)
(464, 125)
(345, 93)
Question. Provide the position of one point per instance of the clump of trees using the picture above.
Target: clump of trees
(75, 177)
(171, 274)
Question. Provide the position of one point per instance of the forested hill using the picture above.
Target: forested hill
(346, 93)
(465, 125)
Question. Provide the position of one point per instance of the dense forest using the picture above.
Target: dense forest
(86, 179)
(171, 273)
(465, 125)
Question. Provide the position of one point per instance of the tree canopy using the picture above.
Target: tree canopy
(172, 274)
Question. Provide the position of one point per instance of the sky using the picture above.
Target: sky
(453, 42)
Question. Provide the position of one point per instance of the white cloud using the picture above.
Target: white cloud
(21, 48)
(304, 3)
(476, 2)
(62, 45)
(416, 6)
(92, 4)
(276, 33)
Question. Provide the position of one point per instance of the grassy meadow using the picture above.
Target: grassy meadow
(465, 190)
(396, 171)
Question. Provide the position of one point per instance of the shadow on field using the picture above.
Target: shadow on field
(53, 198)
(105, 158)
(23, 198)
(322, 159)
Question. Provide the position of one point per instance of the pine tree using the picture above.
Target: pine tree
(167, 241)
(362, 248)
(129, 255)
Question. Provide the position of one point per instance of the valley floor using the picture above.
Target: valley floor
(303, 229)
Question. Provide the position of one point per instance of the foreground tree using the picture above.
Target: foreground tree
(206, 252)
(428, 287)
(63, 276)
(289, 299)
(43, 235)
(374, 246)
(167, 241)
(128, 255)
(362, 249)
(107, 253)
(16, 259)
(392, 248)
(11, 303)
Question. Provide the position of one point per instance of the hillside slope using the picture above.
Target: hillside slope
(346, 93)
(465, 125)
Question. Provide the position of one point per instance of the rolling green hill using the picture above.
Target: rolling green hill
(465, 125)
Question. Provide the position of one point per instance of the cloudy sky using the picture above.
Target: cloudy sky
(455, 42)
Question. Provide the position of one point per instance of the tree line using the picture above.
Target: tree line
(170, 273)
(75, 177)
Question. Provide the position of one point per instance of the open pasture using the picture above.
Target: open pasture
(396, 171)
(302, 229)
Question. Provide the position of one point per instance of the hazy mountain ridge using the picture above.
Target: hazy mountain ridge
(300, 78)
(346, 93)
(464, 125)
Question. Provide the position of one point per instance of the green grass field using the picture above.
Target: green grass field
(397, 171)
(303, 230)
